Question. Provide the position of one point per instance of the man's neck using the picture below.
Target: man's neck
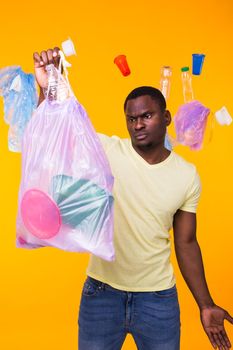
(152, 155)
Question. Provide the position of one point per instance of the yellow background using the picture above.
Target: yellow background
(40, 290)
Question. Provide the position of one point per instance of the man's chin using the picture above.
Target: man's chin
(142, 143)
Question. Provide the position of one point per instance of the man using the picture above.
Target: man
(154, 190)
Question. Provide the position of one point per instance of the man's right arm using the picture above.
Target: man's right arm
(41, 97)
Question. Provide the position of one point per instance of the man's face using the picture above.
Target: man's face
(146, 122)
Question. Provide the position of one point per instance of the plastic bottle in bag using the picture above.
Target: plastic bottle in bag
(165, 81)
(187, 84)
(57, 89)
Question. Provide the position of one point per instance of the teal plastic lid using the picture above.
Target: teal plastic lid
(184, 69)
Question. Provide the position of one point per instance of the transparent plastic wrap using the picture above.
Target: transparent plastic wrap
(65, 197)
(190, 124)
(168, 142)
(20, 100)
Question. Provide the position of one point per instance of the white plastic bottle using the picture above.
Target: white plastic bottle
(187, 84)
(165, 81)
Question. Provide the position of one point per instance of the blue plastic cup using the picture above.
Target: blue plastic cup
(198, 60)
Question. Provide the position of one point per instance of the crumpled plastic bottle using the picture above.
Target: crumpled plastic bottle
(165, 81)
(57, 89)
(187, 84)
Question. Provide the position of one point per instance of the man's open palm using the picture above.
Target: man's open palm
(212, 319)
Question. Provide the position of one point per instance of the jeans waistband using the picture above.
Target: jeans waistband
(103, 285)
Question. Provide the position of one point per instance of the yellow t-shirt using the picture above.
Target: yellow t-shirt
(146, 197)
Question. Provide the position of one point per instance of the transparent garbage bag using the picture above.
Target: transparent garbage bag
(65, 196)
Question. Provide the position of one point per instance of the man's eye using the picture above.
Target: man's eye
(132, 120)
(147, 116)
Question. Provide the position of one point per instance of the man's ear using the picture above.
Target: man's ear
(168, 117)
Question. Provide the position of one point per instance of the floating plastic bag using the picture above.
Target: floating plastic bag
(65, 197)
(190, 123)
(20, 99)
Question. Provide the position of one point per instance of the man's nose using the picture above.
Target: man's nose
(139, 124)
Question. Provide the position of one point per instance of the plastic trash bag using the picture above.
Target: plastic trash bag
(168, 142)
(65, 197)
(20, 99)
(190, 124)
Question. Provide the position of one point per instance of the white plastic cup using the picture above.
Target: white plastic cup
(68, 48)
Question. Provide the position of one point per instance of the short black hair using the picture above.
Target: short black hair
(154, 93)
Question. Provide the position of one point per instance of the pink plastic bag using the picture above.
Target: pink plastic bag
(190, 123)
(65, 197)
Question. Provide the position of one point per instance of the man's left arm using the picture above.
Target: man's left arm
(189, 258)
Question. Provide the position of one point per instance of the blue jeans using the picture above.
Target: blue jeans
(107, 315)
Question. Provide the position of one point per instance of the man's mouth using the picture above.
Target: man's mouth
(140, 136)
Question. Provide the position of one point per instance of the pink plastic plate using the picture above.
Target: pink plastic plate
(41, 215)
